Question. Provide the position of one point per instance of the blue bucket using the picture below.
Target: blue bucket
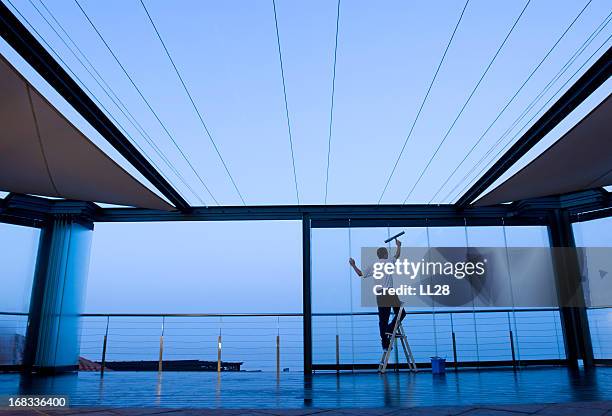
(438, 365)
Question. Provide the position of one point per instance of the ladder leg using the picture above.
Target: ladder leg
(395, 332)
(404, 344)
(411, 360)
(407, 350)
(382, 366)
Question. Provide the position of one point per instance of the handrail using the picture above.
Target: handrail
(198, 340)
(297, 314)
(442, 311)
(190, 315)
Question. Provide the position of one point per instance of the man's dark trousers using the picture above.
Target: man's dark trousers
(385, 303)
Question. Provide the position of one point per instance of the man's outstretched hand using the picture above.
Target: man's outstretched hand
(398, 243)
(352, 261)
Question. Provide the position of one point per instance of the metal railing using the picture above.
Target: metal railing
(340, 340)
(256, 341)
(463, 337)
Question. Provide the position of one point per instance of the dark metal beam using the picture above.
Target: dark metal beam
(30, 49)
(306, 295)
(33, 209)
(457, 221)
(600, 208)
(573, 313)
(592, 79)
(577, 204)
(593, 215)
(320, 214)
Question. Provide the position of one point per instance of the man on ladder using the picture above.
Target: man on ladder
(388, 331)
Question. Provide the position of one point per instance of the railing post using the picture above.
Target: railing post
(277, 354)
(456, 364)
(277, 345)
(161, 345)
(511, 341)
(219, 353)
(306, 294)
(104, 347)
(337, 353)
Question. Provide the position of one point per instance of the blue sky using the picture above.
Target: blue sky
(387, 53)
(229, 267)
(227, 54)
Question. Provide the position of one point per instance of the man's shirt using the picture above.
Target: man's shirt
(387, 279)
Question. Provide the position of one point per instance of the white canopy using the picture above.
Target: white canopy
(42, 153)
(581, 159)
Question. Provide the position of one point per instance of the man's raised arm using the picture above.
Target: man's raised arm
(354, 266)
(398, 248)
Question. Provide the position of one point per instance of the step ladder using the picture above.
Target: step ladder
(398, 333)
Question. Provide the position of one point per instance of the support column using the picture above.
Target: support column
(574, 319)
(52, 337)
(306, 294)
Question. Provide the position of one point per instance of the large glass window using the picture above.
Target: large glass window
(217, 268)
(346, 332)
(598, 233)
(17, 263)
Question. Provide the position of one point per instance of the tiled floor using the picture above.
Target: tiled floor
(353, 391)
(575, 408)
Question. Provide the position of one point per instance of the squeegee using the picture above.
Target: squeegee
(394, 237)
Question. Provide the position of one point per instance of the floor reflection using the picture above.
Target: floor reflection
(293, 390)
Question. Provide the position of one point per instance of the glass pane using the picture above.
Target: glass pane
(18, 260)
(346, 332)
(597, 233)
(220, 269)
